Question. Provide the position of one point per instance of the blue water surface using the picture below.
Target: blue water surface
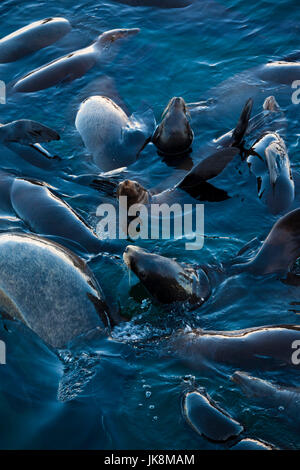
(101, 394)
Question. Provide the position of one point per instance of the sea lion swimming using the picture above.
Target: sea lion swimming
(45, 213)
(279, 251)
(266, 155)
(257, 82)
(207, 419)
(49, 288)
(73, 65)
(168, 281)
(24, 136)
(27, 132)
(271, 395)
(267, 347)
(269, 161)
(113, 138)
(174, 135)
(32, 38)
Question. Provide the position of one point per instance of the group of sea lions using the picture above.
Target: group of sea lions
(50, 288)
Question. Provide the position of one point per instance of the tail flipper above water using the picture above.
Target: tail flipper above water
(25, 131)
(207, 192)
(208, 168)
(243, 122)
(280, 249)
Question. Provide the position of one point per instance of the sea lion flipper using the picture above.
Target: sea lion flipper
(280, 249)
(139, 130)
(242, 125)
(144, 119)
(208, 168)
(25, 131)
(156, 135)
(208, 192)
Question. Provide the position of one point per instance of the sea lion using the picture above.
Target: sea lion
(256, 82)
(266, 154)
(269, 161)
(73, 65)
(174, 135)
(279, 251)
(32, 38)
(168, 281)
(272, 396)
(35, 154)
(24, 136)
(45, 213)
(113, 138)
(267, 347)
(207, 419)
(49, 288)
(26, 132)
(280, 72)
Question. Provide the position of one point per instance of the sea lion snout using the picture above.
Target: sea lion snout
(238, 377)
(177, 102)
(115, 34)
(252, 386)
(131, 258)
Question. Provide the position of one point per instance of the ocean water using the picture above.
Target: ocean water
(116, 394)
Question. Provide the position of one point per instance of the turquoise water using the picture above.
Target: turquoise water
(95, 395)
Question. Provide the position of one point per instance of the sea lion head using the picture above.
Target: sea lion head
(174, 136)
(252, 386)
(134, 191)
(270, 104)
(165, 279)
(109, 37)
